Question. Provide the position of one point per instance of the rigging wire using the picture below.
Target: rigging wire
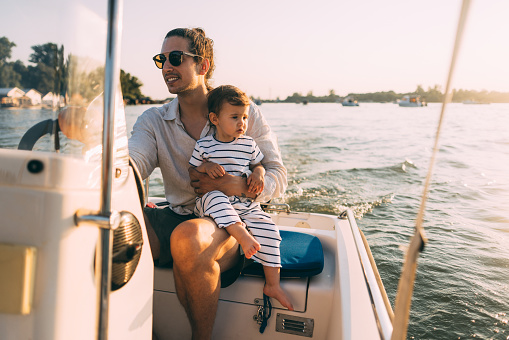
(406, 282)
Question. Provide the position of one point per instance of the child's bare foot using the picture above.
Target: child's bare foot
(249, 245)
(276, 292)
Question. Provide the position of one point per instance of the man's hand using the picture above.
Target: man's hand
(70, 120)
(228, 184)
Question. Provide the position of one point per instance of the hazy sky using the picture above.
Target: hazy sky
(278, 47)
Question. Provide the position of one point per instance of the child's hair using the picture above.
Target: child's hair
(226, 93)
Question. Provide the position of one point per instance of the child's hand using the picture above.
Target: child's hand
(214, 170)
(255, 183)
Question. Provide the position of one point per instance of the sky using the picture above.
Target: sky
(275, 48)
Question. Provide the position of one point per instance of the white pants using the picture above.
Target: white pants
(230, 210)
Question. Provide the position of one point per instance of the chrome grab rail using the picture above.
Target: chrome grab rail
(147, 187)
(84, 217)
(105, 219)
(379, 306)
(276, 207)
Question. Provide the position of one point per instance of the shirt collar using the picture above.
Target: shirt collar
(171, 110)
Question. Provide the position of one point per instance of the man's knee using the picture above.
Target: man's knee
(188, 241)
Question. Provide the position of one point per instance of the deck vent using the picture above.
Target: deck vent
(295, 325)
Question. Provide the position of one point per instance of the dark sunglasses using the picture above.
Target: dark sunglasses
(174, 57)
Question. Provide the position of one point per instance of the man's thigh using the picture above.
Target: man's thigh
(225, 247)
(228, 257)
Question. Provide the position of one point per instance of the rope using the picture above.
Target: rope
(406, 282)
(266, 313)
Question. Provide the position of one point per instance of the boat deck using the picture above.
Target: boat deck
(332, 305)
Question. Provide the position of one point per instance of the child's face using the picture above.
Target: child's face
(231, 122)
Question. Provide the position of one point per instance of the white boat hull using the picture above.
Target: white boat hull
(38, 210)
(405, 104)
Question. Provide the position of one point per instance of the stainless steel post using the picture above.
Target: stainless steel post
(104, 246)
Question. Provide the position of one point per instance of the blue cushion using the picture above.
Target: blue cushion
(301, 256)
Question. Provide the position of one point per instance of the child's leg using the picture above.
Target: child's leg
(217, 205)
(264, 231)
(249, 245)
(272, 287)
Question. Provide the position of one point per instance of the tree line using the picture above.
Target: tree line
(432, 95)
(52, 71)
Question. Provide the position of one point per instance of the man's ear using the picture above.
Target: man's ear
(213, 118)
(204, 66)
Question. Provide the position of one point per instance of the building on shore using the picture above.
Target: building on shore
(34, 96)
(11, 97)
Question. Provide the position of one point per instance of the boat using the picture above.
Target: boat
(76, 261)
(349, 101)
(411, 101)
(77, 258)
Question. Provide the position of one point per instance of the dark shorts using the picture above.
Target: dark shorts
(164, 221)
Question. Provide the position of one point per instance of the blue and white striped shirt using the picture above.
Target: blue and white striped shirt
(234, 156)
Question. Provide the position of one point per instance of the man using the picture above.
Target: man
(165, 137)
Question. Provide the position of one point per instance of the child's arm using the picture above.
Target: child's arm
(255, 181)
(212, 169)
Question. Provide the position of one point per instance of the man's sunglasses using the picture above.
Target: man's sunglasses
(174, 57)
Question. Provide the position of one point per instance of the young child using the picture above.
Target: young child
(228, 150)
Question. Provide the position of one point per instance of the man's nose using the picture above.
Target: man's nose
(167, 65)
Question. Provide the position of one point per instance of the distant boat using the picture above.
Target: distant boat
(473, 102)
(349, 101)
(411, 101)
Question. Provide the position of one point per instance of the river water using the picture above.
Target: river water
(373, 159)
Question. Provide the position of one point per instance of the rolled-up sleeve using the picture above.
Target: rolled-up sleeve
(143, 145)
(275, 176)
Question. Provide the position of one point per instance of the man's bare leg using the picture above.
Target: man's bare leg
(200, 252)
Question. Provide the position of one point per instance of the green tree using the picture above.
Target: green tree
(130, 87)
(5, 49)
(8, 75)
(50, 72)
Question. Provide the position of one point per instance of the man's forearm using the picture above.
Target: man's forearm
(237, 186)
(228, 184)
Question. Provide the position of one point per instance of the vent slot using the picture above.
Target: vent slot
(294, 325)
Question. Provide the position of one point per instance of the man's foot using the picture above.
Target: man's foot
(276, 292)
(249, 245)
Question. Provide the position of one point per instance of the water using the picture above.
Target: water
(374, 159)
